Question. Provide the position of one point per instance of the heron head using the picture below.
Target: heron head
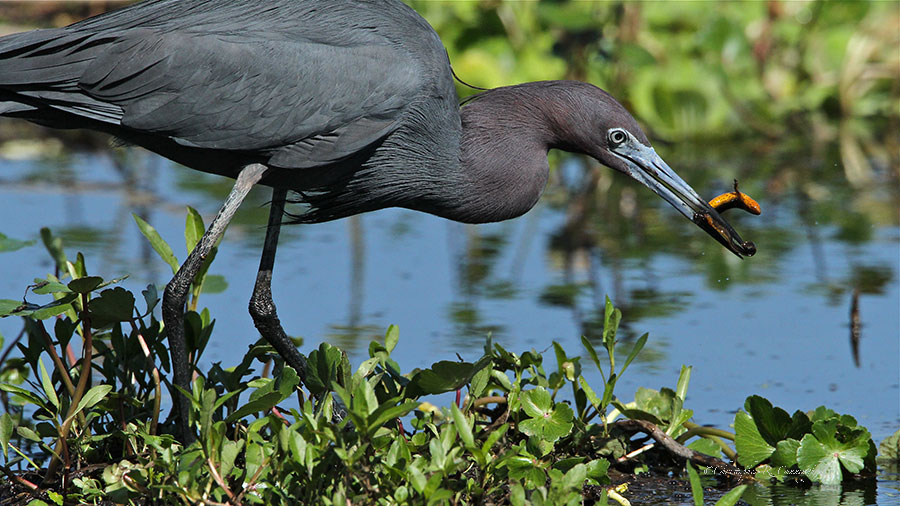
(618, 142)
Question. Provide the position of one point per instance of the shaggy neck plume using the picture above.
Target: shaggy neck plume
(506, 134)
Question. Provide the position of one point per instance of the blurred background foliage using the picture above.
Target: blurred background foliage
(823, 71)
(815, 71)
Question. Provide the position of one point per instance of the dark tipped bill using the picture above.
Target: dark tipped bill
(649, 169)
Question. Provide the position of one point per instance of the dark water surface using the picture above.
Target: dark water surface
(776, 324)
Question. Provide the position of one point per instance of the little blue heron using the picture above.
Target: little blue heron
(350, 104)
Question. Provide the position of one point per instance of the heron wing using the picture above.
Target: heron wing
(302, 100)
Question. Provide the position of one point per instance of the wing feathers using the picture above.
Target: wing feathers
(304, 100)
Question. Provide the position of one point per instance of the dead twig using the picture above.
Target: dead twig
(678, 449)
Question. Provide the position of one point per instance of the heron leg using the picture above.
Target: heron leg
(175, 295)
(262, 307)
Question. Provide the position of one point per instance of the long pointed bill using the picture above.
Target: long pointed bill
(649, 169)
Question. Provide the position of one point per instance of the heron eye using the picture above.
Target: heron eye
(617, 137)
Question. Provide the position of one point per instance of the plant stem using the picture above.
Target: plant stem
(84, 375)
(51, 350)
(711, 433)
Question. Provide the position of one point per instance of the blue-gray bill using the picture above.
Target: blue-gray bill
(644, 165)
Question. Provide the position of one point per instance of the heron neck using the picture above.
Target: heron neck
(503, 157)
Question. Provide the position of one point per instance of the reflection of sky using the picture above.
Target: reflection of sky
(786, 338)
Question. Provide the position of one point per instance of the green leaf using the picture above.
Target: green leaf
(51, 309)
(151, 296)
(637, 414)
(520, 465)
(224, 398)
(462, 426)
(889, 450)
(611, 318)
(547, 422)
(193, 229)
(663, 403)
(638, 346)
(817, 462)
(608, 388)
(705, 446)
(565, 367)
(516, 494)
(159, 245)
(8, 245)
(93, 396)
(479, 382)
(25, 394)
(597, 471)
(565, 465)
(230, 451)
(589, 393)
(323, 368)
(261, 404)
(593, 354)
(821, 454)
(444, 376)
(684, 378)
(773, 423)
(111, 306)
(7, 426)
(751, 447)
(417, 479)
(47, 385)
(386, 412)
(214, 283)
(391, 337)
(732, 496)
(786, 453)
(28, 434)
(43, 286)
(287, 382)
(765, 472)
(574, 478)
(54, 247)
(9, 306)
(537, 402)
(85, 284)
(696, 486)
(676, 423)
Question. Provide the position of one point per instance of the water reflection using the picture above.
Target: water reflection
(858, 494)
(355, 331)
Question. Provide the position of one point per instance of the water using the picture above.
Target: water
(776, 324)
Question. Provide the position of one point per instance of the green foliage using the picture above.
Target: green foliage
(687, 69)
(889, 451)
(819, 444)
(363, 436)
